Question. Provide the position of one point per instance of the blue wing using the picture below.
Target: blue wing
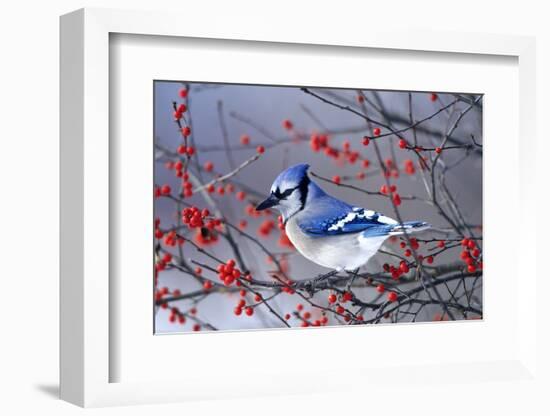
(330, 216)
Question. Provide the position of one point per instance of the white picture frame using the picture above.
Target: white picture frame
(86, 305)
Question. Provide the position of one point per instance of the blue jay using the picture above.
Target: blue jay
(326, 230)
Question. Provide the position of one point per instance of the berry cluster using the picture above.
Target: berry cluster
(228, 273)
(320, 142)
(391, 191)
(164, 190)
(193, 217)
(307, 318)
(241, 305)
(471, 255)
(266, 227)
(169, 238)
(180, 109)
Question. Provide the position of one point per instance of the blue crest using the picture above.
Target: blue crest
(291, 177)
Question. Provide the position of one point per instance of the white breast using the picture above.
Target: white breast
(342, 252)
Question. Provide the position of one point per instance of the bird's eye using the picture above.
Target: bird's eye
(282, 195)
(287, 192)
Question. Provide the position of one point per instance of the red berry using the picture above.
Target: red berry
(347, 296)
(208, 166)
(249, 311)
(429, 259)
(240, 195)
(336, 179)
(396, 199)
(471, 268)
(433, 97)
(380, 288)
(287, 316)
(402, 144)
(438, 150)
(238, 310)
(186, 131)
(165, 190)
(245, 139)
(360, 98)
(332, 298)
(287, 124)
(207, 285)
(392, 297)
(260, 149)
(366, 142)
(183, 92)
(376, 131)
(299, 307)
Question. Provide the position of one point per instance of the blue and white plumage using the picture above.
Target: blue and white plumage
(326, 230)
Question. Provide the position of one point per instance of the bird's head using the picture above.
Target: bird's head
(289, 192)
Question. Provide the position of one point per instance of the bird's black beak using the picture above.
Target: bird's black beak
(268, 203)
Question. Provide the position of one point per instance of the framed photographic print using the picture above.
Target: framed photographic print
(237, 209)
